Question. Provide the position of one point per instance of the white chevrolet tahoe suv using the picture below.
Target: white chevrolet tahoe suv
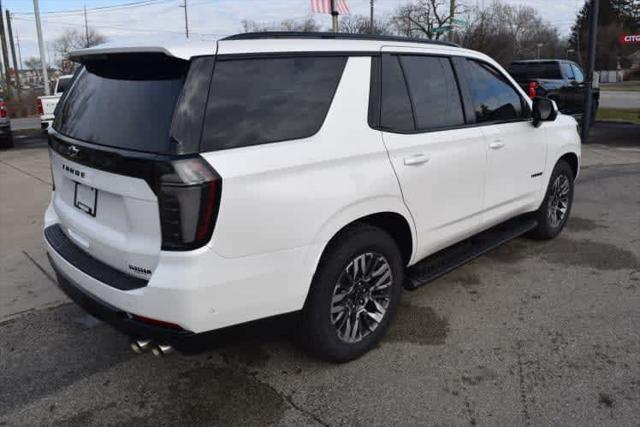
(316, 174)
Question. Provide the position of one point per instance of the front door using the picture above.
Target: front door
(515, 149)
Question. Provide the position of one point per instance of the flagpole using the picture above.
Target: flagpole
(334, 16)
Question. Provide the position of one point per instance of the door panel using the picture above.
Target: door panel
(515, 149)
(516, 154)
(444, 189)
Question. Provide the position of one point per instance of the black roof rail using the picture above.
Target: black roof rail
(329, 35)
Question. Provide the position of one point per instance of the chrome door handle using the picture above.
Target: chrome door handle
(496, 145)
(418, 159)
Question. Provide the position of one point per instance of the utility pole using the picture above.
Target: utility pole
(16, 66)
(43, 60)
(186, 19)
(371, 23)
(591, 62)
(5, 54)
(334, 16)
(452, 15)
(86, 27)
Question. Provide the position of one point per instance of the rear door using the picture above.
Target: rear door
(515, 150)
(439, 162)
(111, 135)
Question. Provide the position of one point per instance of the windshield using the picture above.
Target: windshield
(535, 70)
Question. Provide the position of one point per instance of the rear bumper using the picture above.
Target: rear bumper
(198, 290)
(116, 317)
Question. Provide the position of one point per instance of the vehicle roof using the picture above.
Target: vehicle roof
(273, 42)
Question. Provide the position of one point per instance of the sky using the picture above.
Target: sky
(162, 21)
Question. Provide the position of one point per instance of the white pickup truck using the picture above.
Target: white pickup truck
(47, 104)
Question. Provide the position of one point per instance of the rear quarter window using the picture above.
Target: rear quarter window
(262, 100)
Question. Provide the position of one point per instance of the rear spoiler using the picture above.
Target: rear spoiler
(84, 55)
(185, 51)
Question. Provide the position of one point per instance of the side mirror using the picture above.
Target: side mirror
(544, 110)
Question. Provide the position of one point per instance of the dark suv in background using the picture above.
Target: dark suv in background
(558, 79)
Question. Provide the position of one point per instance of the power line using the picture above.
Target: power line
(100, 8)
(70, 24)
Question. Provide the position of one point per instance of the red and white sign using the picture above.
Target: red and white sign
(630, 39)
(324, 6)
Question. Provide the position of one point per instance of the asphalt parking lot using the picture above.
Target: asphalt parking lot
(532, 333)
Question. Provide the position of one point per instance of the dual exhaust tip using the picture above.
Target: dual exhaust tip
(158, 350)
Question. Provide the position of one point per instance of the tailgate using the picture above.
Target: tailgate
(114, 218)
(49, 104)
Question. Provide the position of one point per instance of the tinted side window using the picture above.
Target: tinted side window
(262, 100)
(434, 92)
(493, 97)
(578, 74)
(566, 71)
(396, 113)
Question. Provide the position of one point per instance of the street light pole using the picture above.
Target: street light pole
(591, 62)
(452, 15)
(43, 61)
(334, 16)
(371, 24)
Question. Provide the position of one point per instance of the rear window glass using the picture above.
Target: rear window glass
(396, 113)
(261, 100)
(124, 103)
(434, 92)
(535, 70)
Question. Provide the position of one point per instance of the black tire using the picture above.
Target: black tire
(316, 331)
(548, 226)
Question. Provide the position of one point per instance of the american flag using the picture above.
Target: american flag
(324, 6)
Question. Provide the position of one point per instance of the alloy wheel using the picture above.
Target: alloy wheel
(559, 203)
(361, 296)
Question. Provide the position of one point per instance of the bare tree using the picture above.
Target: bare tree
(306, 25)
(359, 24)
(423, 18)
(71, 40)
(32, 63)
(507, 32)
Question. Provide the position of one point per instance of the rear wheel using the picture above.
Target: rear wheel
(354, 294)
(556, 207)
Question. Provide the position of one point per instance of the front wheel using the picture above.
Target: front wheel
(354, 294)
(556, 206)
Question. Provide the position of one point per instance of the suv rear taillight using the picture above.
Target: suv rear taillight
(3, 110)
(188, 193)
(533, 85)
(39, 107)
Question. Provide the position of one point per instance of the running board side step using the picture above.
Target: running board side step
(450, 258)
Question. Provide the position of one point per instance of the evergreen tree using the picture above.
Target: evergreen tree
(615, 18)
